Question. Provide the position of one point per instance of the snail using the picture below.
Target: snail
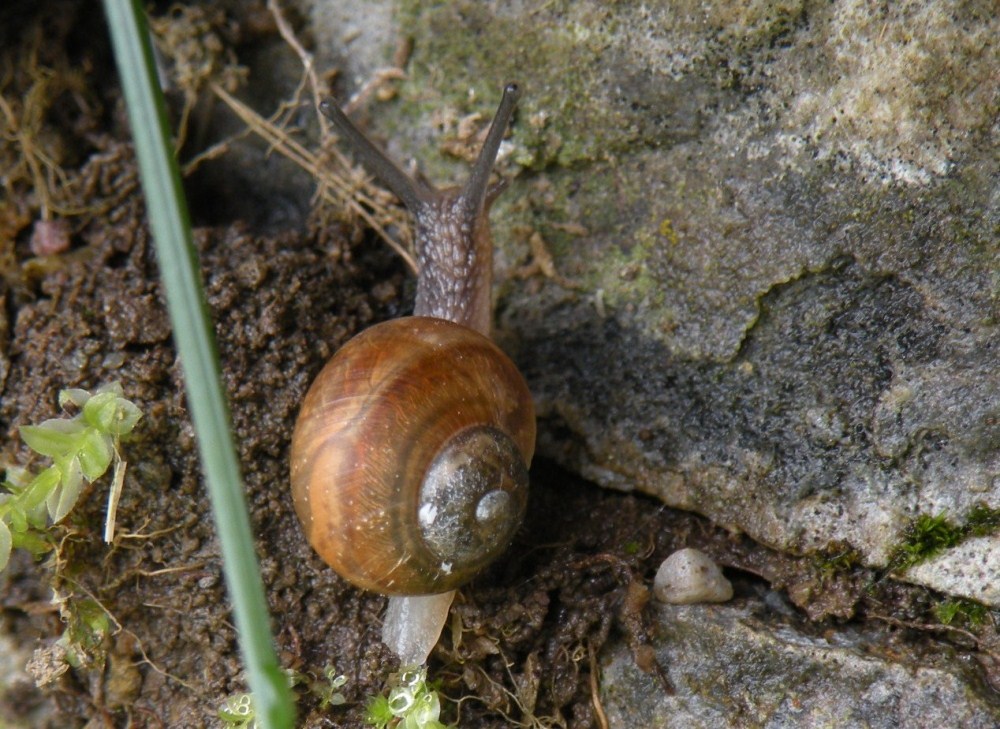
(410, 455)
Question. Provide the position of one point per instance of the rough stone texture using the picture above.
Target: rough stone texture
(776, 231)
(970, 567)
(742, 665)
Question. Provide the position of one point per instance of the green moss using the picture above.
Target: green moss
(571, 58)
(624, 274)
(82, 448)
(961, 612)
(612, 260)
(87, 626)
(982, 521)
(928, 536)
(838, 557)
(413, 701)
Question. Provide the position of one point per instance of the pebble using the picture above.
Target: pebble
(689, 576)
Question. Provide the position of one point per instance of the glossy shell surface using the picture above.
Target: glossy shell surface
(376, 419)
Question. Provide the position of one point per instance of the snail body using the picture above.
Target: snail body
(410, 454)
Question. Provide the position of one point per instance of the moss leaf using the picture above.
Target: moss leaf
(5, 544)
(110, 413)
(95, 454)
(73, 395)
(63, 499)
(41, 487)
(125, 419)
(53, 438)
(101, 410)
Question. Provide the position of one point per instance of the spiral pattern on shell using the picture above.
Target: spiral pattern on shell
(406, 398)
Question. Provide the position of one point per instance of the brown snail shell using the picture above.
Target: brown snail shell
(410, 455)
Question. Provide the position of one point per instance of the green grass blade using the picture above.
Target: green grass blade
(168, 219)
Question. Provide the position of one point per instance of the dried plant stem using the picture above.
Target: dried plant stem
(305, 57)
(333, 187)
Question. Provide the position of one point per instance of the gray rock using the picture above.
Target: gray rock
(739, 665)
(358, 38)
(776, 234)
(799, 296)
(971, 569)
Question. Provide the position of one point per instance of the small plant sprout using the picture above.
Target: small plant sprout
(238, 712)
(413, 703)
(329, 692)
(81, 447)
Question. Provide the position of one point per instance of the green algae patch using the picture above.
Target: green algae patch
(467, 52)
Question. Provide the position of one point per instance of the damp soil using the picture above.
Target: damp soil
(83, 306)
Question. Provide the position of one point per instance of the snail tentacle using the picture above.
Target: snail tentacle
(454, 247)
(475, 192)
(412, 192)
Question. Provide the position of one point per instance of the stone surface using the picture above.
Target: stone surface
(742, 665)
(775, 233)
(970, 569)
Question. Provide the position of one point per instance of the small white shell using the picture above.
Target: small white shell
(689, 576)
